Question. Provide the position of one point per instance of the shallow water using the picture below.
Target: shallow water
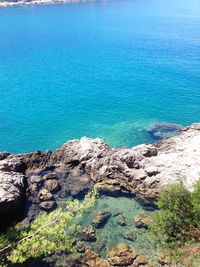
(103, 69)
(113, 233)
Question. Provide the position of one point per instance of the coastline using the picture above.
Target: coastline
(38, 182)
(140, 172)
(39, 2)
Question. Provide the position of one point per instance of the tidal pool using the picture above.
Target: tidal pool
(113, 233)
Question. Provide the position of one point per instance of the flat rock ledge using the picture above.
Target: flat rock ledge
(74, 168)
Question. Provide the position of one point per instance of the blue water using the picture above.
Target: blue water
(104, 69)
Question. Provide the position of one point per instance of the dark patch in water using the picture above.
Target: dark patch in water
(163, 130)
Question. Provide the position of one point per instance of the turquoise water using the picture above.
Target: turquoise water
(107, 238)
(105, 69)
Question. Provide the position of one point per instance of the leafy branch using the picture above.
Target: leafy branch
(47, 233)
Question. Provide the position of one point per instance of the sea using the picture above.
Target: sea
(106, 69)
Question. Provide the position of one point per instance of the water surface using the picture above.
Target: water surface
(112, 233)
(103, 69)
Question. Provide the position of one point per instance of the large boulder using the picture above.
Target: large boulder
(11, 190)
(12, 193)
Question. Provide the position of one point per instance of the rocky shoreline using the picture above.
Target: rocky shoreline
(39, 180)
(38, 2)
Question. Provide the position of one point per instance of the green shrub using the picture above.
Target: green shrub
(179, 212)
(47, 234)
(196, 203)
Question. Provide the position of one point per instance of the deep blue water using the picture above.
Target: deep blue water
(104, 69)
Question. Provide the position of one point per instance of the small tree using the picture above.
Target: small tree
(179, 209)
(47, 234)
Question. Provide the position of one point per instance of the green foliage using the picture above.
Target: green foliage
(179, 210)
(196, 203)
(47, 234)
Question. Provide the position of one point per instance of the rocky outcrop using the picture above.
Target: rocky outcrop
(100, 218)
(74, 168)
(12, 192)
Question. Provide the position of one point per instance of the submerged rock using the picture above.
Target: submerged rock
(130, 235)
(80, 246)
(35, 179)
(164, 259)
(51, 185)
(163, 130)
(45, 195)
(77, 186)
(48, 205)
(143, 220)
(141, 261)
(87, 233)
(100, 218)
(121, 220)
(121, 255)
(92, 259)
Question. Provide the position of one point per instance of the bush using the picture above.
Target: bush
(178, 216)
(47, 234)
(196, 203)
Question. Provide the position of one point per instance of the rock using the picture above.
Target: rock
(121, 220)
(35, 179)
(78, 165)
(12, 164)
(117, 213)
(87, 233)
(4, 155)
(100, 218)
(33, 189)
(163, 130)
(130, 235)
(51, 185)
(49, 176)
(143, 220)
(76, 151)
(45, 195)
(152, 170)
(12, 186)
(121, 255)
(140, 261)
(80, 247)
(92, 259)
(140, 174)
(100, 244)
(71, 260)
(77, 186)
(47, 205)
(149, 151)
(164, 259)
(12, 193)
